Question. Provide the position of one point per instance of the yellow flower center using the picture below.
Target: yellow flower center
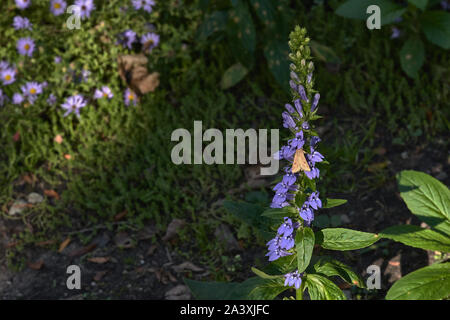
(105, 94)
(8, 77)
(131, 97)
(56, 5)
(32, 90)
(27, 46)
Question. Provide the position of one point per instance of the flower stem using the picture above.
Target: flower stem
(299, 292)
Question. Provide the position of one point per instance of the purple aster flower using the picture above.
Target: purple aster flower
(314, 200)
(73, 104)
(288, 122)
(149, 5)
(85, 7)
(57, 59)
(104, 92)
(31, 90)
(315, 102)
(129, 97)
(293, 279)
(149, 41)
(58, 7)
(23, 4)
(395, 33)
(297, 142)
(8, 76)
(21, 23)
(306, 213)
(286, 228)
(51, 100)
(302, 92)
(127, 38)
(25, 46)
(3, 65)
(17, 98)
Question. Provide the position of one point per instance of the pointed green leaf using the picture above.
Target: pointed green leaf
(428, 283)
(427, 198)
(324, 53)
(417, 237)
(233, 75)
(321, 288)
(264, 275)
(304, 243)
(344, 239)
(412, 56)
(329, 267)
(331, 203)
(436, 26)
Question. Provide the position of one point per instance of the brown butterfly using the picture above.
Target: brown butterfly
(300, 162)
(133, 71)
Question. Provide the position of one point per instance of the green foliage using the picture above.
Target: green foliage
(429, 200)
(428, 283)
(434, 24)
(321, 288)
(344, 239)
(233, 75)
(304, 242)
(412, 56)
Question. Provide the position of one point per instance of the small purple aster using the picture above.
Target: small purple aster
(51, 100)
(395, 33)
(31, 90)
(21, 23)
(57, 59)
(127, 38)
(3, 65)
(8, 76)
(57, 7)
(85, 7)
(104, 92)
(129, 97)
(23, 4)
(73, 104)
(25, 46)
(17, 98)
(149, 41)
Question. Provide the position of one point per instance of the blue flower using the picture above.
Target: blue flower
(286, 228)
(314, 200)
(315, 102)
(297, 142)
(293, 279)
(301, 91)
(288, 122)
(306, 213)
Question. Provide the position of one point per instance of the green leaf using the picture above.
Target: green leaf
(250, 213)
(324, 53)
(264, 10)
(233, 75)
(331, 203)
(428, 283)
(421, 4)
(217, 21)
(436, 26)
(321, 288)
(304, 243)
(412, 56)
(268, 289)
(276, 53)
(280, 213)
(264, 275)
(344, 239)
(329, 267)
(417, 237)
(241, 33)
(356, 9)
(427, 198)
